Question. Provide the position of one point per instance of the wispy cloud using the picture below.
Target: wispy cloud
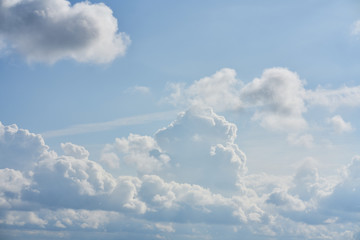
(108, 125)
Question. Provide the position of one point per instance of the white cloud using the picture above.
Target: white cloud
(109, 125)
(342, 202)
(355, 28)
(279, 96)
(204, 189)
(138, 89)
(213, 152)
(12, 182)
(305, 140)
(339, 125)
(21, 149)
(165, 227)
(219, 91)
(75, 151)
(48, 31)
(140, 152)
(334, 98)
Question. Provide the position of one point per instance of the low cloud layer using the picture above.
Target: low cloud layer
(48, 31)
(190, 174)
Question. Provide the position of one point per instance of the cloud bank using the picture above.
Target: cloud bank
(187, 180)
(48, 31)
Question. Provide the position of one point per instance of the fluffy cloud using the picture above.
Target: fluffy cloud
(342, 202)
(339, 125)
(75, 151)
(21, 149)
(279, 94)
(198, 192)
(278, 98)
(219, 91)
(139, 152)
(213, 152)
(48, 31)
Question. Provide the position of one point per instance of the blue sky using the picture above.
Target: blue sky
(179, 119)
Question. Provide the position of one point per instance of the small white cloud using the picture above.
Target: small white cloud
(165, 227)
(139, 89)
(48, 31)
(339, 125)
(74, 150)
(305, 140)
(219, 91)
(355, 28)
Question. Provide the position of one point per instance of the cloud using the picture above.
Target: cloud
(339, 125)
(139, 152)
(75, 151)
(305, 140)
(213, 151)
(109, 125)
(342, 202)
(139, 89)
(334, 98)
(279, 96)
(355, 28)
(48, 31)
(219, 91)
(203, 190)
(21, 149)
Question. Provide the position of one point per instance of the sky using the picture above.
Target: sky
(179, 119)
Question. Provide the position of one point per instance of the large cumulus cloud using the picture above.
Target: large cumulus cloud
(200, 189)
(48, 31)
(278, 100)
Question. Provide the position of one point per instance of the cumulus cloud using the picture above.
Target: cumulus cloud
(342, 202)
(339, 125)
(279, 94)
(219, 91)
(75, 151)
(21, 149)
(278, 98)
(211, 138)
(203, 188)
(139, 152)
(48, 31)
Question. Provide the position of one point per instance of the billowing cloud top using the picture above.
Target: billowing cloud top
(48, 31)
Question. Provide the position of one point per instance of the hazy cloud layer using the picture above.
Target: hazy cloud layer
(48, 31)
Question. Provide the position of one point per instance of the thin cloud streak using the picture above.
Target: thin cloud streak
(109, 125)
